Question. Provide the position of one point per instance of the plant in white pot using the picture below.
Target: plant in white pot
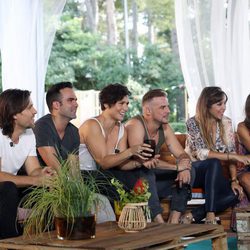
(135, 212)
(67, 204)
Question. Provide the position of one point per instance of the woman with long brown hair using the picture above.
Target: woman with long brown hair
(243, 132)
(210, 136)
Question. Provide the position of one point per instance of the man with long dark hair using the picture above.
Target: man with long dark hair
(17, 149)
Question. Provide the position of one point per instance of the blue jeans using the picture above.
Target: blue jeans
(179, 195)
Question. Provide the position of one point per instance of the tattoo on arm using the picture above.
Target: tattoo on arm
(183, 156)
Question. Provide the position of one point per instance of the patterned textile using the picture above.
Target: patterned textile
(196, 146)
(241, 168)
(241, 149)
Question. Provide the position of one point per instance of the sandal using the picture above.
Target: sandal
(187, 218)
(211, 222)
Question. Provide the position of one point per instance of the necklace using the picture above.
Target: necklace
(153, 136)
(150, 136)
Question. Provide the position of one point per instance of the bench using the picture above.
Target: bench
(225, 217)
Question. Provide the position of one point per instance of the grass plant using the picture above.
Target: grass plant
(69, 196)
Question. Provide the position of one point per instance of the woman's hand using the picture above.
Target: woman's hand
(245, 159)
(237, 189)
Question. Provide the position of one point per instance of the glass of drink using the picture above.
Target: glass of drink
(152, 143)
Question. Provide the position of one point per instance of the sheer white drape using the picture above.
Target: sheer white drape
(27, 29)
(213, 38)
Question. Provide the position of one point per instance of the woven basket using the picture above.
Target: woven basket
(132, 218)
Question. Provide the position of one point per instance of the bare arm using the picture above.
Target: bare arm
(48, 155)
(245, 159)
(244, 136)
(34, 171)
(176, 149)
(90, 134)
(136, 135)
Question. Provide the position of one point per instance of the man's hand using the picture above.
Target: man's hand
(152, 163)
(46, 177)
(183, 177)
(48, 171)
(184, 164)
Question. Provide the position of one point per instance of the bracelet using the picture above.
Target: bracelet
(177, 167)
(184, 169)
(234, 180)
(136, 166)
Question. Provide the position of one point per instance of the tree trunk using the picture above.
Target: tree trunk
(125, 8)
(135, 32)
(111, 22)
(174, 42)
(92, 15)
(150, 28)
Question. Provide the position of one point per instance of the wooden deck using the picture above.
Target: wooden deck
(109, 236)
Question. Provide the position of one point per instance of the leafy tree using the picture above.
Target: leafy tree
(137, 90)
(85, 58)
(158, 68)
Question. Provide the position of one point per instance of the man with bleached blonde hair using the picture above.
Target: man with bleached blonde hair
(171, 179)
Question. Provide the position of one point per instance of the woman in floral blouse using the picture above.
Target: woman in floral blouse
(243, 132)
(210, 136)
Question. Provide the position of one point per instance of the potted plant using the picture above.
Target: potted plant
(67, 204)
(135, 213)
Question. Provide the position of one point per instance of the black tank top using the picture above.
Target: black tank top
(146, 136)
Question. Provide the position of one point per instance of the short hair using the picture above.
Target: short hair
(12, 102)
(152, 94)
(53, 93)
(247, 112)
(112, 93)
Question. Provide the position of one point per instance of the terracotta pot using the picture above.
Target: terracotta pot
(81, 228)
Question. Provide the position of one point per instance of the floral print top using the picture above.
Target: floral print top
(195, 145)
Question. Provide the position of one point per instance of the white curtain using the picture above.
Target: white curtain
(27, 29)
(213, 39)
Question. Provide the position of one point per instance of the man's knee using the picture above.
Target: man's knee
(180, 198)
(8, 188)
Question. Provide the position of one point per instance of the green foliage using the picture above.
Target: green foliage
(179, 127)
(85, 59)
(162, 13)
(68, 196)
(72, 53)
(137, 91)
(82, 58)
(139, 193)
(158, 68)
